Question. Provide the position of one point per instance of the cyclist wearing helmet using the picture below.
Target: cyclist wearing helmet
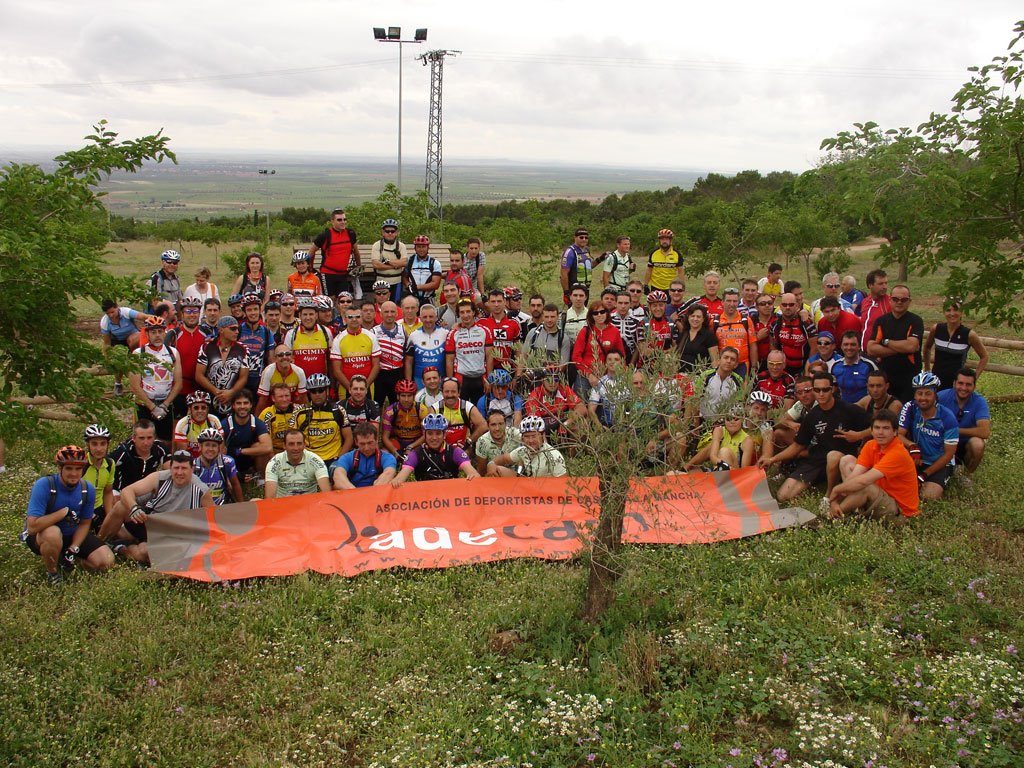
(934, 428)
(534, 458)
(282, 372)
(187, 339)
(501, 398)
(310, 341)
(164, 284)
(422, 275)
(100, 471)
(435, 458)
(365, 466)
(304, 281)
(222, 368)
(160, 381)
(653, 332)
(514, 308)
(403, 420)
(289, 312)
(340, 262)
(665, 264)
(758, 425)
(731, 445)
(168, 490)
(324, 422)
(388, 257)
(216, 470)
(235, 306)
(255, 337)
(188, 428)
(60, 510)
(558, 406)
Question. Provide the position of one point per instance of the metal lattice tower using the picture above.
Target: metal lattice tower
(434, 184)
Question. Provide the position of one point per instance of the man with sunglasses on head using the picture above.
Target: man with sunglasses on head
(830, 286)
(339, 256)
(577, 266)
(895, 342)
(821, 433)
(289, 312)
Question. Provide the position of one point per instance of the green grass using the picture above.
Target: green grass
(851, 643)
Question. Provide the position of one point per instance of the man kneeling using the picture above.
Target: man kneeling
(165, 491)
(59, 514)
(881, 483)
(534, 458)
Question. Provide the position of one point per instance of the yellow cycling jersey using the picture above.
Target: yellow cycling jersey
(324, 427)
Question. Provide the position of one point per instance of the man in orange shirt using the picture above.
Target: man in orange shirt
(881, 483)
(734, 329)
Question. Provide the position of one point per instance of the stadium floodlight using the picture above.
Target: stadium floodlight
(394, 35)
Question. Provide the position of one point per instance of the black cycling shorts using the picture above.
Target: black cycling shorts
(87, 547)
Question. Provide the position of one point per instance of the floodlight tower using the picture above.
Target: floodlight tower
(434, 185)
(394, 35)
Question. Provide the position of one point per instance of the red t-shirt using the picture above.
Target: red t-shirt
(847, 321)
(337, 251)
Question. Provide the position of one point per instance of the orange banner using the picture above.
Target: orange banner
(444, 523)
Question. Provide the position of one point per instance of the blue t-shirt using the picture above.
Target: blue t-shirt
(39, 502)
(213, 477)
(366, 473)
(967, 417)
(931, 435)
(507, 405)
(852, 379)
(244, 435)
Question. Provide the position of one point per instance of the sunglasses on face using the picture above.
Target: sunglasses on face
(831, 285)
(899, 299)
(600, 312)
(822, 390)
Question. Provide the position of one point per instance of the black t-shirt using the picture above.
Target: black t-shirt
(817, 430)
(130, 467)
(899, 367)
(695, 353)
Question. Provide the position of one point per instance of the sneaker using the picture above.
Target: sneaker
(120, 551)
(824, 506)
(54, 579)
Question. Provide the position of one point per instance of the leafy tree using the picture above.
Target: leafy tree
(538, 241)
(955, 186)
(53, 233)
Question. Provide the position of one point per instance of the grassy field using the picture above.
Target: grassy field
(198, 187)
(851, 645)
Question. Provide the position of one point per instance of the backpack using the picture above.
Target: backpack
(52, 501)
(377, 459)
(325, 247)
(197, 467)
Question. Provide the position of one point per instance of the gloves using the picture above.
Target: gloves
(67, 558)
(158, 412)
(71, 516)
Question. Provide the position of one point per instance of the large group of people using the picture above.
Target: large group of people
(311, 386)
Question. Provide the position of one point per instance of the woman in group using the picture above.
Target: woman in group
(696, 343)
(202, 288)
(594, 341)
(952, 340)
(254, 279)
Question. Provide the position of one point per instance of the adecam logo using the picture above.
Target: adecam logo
(438, 538)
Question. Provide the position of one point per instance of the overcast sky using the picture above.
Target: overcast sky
(724, 86)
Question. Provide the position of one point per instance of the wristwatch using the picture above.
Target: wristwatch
(73, 550)
(885, 342)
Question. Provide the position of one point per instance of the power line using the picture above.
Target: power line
(604, 62)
